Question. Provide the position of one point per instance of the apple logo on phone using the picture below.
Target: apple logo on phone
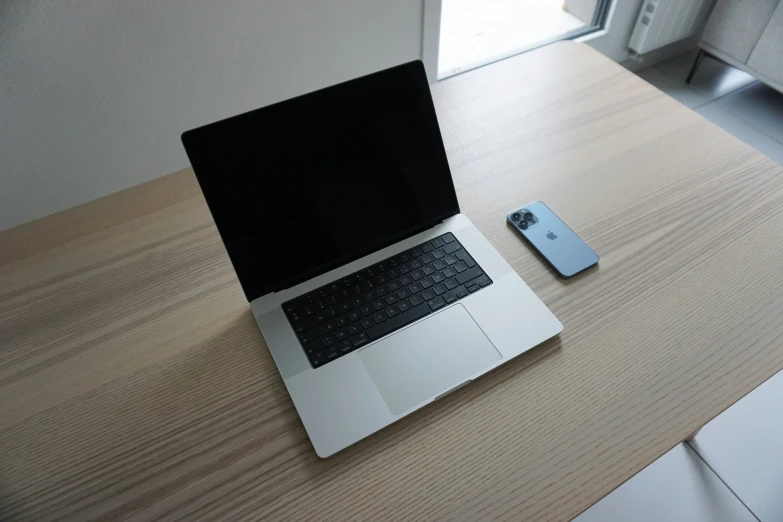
(551, 235)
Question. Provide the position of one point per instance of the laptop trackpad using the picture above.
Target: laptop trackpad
(428, 359)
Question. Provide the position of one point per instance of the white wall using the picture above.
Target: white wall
(95, 93)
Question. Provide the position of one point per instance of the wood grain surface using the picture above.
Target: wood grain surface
(134, 382)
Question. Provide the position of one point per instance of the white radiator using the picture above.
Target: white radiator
(662, 22)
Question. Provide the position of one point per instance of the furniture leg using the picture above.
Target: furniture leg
(695, 66)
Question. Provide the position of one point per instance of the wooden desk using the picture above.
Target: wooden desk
(135, 383)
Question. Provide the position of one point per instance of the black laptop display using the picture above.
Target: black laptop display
(306, 185)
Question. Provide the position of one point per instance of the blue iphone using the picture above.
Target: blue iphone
(558, 244)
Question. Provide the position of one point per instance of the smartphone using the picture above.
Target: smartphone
(558, 244)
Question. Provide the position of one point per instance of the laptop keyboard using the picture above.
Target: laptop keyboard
(343, 316)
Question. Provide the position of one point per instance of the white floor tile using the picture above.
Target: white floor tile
(758, 105)
(677, 486)
(676, 89)
(473, 33)
(713, 79)
(744, 445)
(742, 130)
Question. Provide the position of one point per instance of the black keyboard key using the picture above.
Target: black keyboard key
(398, 321)
(379, 317)
(403, 293)
(381, 279)
(332, 313)
(483, 281)
(469, 261)
(450, 259)
(461, 254)
(391, 299)
(439, 264)
(305, 324)
(344, 346)
(460, 266)
(329, 327)
(369, 285)
(333, 299)
(379, 305)
(416, 252)
(331, 353)
(428, 294)
(392, 274)
(320, 317)
(416, 264)
(313, 347)
(367, 310)
(312, 334)
(461, 292)
(438, 277)
(355, 315)
(405, 280)
(451, 284)
(428, 270)
(404, 306)
(341, 321)
(452, 247)
(449, 297)
(472, 287)
(367, 322)
(320, 306)
(341, 334)
(427, 282)
(417, 274)
(469, 274)
(394, 286)
(357, 301)
(449, 272)
(404, 269)
(328, 340)
(317, 360)
(309, 310)
(404, 258)
(416, 300)
(436, 303)
(415, 288)
(392, 311)
(382, 290)
(354, 329)
(345, 307)
(427, 259)
(448, 237)
(426, 247)
(359, 339)
(438, 253)
(440, 288)
(437, 243)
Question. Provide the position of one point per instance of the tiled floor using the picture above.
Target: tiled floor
(474, 33)
(730, 98)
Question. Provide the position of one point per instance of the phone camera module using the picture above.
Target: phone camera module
(528, 216)
(516, 216)
(523, 224)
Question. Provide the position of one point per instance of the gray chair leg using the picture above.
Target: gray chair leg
(695, 66)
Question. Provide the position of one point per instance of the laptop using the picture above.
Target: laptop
(375, 295)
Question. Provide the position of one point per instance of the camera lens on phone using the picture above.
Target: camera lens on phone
(528, 215)
(516, 216)
(523, 224)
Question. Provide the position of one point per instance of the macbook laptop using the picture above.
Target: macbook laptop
(375, 295)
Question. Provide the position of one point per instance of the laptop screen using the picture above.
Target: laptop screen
(303, 186)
